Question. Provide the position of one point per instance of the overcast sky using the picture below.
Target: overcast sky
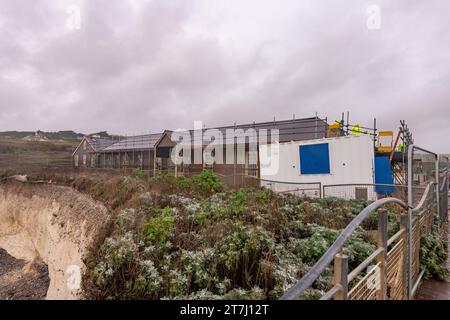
(138, 66)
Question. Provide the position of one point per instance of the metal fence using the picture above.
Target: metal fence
(310, 189)
(235, 181)
(371, 192)
(392, 271)
(444, 168)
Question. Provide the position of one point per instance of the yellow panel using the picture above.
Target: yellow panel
(385, 149)
(386, 134)
(335, 126)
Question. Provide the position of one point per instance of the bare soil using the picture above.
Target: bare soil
(22, 281)
(49, 223)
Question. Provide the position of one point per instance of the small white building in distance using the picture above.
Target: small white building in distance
(306, 166)
(38, 136)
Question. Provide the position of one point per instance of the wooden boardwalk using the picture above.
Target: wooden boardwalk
(435, 290)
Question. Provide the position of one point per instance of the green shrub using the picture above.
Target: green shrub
(184, 183)
(137, 173)
(311, 294)
(157, 230)
(262, 197)
(433, 255)
(220, 213)
(242, 250)
(238, 201)
(254, 293)
(198, 266)
(357, 250)
(148, 282)
(207, 182)
(199, 243)
(371, 222)
(203, 213)
(320, 240)
(317, 244)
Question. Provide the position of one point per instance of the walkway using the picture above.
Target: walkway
(435, 290)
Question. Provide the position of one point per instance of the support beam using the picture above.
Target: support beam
(154, 162)
(382, 240)
(410, 207)
(341, 275)
(405, 276)
(438, 211)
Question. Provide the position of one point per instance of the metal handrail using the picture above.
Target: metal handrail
(444, 183)
(368, 184)
(424, 197)
(335, 248)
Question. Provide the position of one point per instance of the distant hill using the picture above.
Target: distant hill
(60, 135)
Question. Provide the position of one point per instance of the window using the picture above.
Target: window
(314, 159)
(251, 163)
(361, 194)
(76, 159)
(93, 161)
(84, 160)
(84, 145)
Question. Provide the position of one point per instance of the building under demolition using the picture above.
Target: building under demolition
(307, 151)
(152, 152)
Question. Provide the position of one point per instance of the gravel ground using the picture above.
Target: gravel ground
(20, 280)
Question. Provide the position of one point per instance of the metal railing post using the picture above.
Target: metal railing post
(341, 276)
(446, 190)
(404, 227)
(382, 240)
(410, 207)
(438, 190)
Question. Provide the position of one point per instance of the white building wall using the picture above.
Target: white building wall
(351, 162)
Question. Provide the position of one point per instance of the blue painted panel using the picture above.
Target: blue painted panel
(314, 159)
(383, 175)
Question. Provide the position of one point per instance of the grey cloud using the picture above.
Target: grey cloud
(165, 64)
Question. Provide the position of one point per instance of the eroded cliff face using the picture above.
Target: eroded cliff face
(54, 224)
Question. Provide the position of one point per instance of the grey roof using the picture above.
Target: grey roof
(289, 130)
(142, 142)
(99, 143)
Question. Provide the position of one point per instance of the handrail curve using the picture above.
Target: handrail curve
(307, 280)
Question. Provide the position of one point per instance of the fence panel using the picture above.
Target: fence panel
(443, 186)
(311, 190)
(369, 191)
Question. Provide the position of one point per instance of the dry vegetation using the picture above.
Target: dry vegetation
(182, 238)
(30, 156)
(191, 238)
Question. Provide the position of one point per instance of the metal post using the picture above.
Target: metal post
(315, 128)
(154, 160)
(404, 227)
(437, 187)
(446, 189)
(374, 133)
(410, 207)
(382, 240)
(341, 276)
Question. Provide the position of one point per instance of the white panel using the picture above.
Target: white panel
(351, 162)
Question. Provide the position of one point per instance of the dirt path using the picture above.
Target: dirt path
(22, 281)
